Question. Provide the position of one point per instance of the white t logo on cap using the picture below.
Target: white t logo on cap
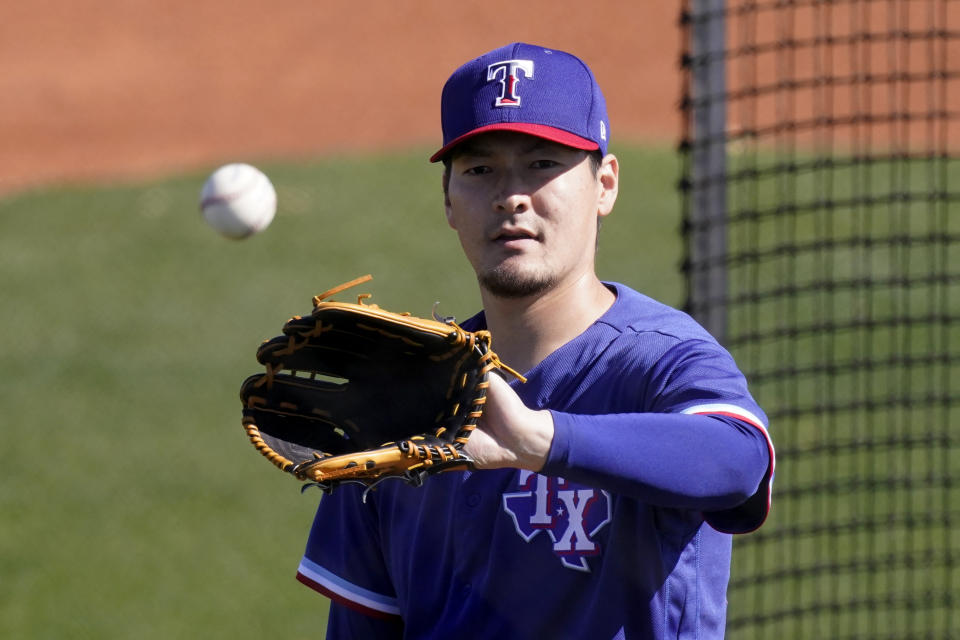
(509, 80)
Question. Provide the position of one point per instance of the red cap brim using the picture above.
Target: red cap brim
(539, 130)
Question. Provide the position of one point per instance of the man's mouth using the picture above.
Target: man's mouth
(509, 237)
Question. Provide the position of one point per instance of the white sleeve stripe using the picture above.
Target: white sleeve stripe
(347, 590)
(728, 409)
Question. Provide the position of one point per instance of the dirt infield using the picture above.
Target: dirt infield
(119, 89)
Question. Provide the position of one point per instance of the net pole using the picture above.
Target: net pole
(708, 249)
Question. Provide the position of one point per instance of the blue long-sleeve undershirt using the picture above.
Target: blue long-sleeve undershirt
(703, 462)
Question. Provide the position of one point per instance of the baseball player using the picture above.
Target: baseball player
(609, 484)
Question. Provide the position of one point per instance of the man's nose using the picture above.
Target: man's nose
(511, 196)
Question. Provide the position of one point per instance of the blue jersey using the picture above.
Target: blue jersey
(659, 453)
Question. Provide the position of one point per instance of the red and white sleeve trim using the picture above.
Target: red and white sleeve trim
(346, 593)
(732, 411)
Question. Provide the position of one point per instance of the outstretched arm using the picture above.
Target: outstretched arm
(666, 459)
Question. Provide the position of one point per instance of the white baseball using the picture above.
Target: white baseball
(238, 200)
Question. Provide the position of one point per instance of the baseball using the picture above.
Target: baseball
(238, 200)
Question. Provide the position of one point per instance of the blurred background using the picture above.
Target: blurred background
(132, 504)
(123, 88)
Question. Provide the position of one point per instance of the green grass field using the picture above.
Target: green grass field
(132, 504)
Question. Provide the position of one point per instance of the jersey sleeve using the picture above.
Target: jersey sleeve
(345, 623)
(354, 576)
(694, 440)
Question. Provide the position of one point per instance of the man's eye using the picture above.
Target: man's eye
(544, 164)
(476, 171)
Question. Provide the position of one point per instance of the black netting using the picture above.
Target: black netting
(821, 181)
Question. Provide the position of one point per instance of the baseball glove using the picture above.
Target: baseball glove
(355, 393)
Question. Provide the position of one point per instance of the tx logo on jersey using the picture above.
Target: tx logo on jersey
(570, 514)
(506, 73)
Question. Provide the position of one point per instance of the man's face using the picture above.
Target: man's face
(526, 210)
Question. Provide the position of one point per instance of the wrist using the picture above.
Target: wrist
(537, 441)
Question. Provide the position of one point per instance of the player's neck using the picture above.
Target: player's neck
(527, 330)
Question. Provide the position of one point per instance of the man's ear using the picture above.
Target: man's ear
(446, 196)
(608, 175)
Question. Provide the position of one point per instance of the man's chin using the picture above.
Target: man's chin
(504, 283)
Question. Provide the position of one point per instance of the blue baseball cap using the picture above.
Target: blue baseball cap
(529, 89)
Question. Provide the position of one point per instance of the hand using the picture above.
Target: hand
(509, 434)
